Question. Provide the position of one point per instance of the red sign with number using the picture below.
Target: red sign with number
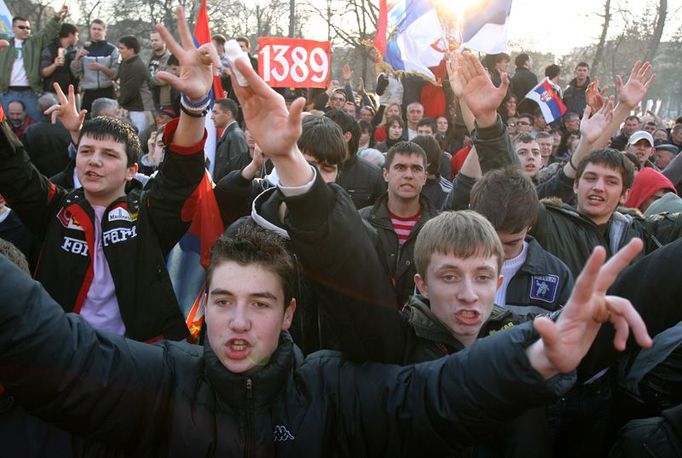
(293, 62)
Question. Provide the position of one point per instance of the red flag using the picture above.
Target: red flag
(382, 25)
(202, 35)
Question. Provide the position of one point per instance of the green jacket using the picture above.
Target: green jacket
(32, 48)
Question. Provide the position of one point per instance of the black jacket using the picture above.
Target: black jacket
(542, 285)
(231, 146)
(521, 84)
(175, 399)
(362, 180)
(138, 230)
(575, 98)
(399, 259)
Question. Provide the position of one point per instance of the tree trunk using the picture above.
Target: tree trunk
(658, 31)
(599, 54)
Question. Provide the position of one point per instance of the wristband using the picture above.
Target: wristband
(184, 100)
(570, 162)
(193, 113)
(194, 109)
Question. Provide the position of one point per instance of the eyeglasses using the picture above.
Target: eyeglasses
(24, 27)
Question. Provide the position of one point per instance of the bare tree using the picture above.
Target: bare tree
(655, 40)
(353, 23)
(599, 53)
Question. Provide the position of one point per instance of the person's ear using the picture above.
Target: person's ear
(624, 197)
(421, 285)
(500, 280)
(289, 315)
(385, 172)
(132, 170)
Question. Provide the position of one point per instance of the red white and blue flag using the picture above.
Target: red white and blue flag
(546, 95)
(413, 35)
(188, 260)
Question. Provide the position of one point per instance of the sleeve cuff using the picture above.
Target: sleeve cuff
(491, 132)
(293, 191)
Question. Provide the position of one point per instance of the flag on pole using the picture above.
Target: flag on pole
(413, 35)
(5, 19)
(202, 35)
(546, 95)
(188, 260)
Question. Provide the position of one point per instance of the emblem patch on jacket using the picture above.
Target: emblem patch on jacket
(282, 434)
(68, 220)
(121, 214)
(544, 287)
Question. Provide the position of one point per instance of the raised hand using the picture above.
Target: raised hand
(595, 97)
(564, 343)
(66, 112)
(196, 65)
(632, 92)
(274, 128)
(347, 73)
(592, 127)
(4, 44)
(473, 83)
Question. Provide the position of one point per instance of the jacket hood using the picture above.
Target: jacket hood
(647, 182)
(265, 210)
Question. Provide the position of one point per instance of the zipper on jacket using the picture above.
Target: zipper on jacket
(249, 442)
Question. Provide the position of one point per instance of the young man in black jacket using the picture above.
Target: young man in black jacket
(249, 391)
(103, 250)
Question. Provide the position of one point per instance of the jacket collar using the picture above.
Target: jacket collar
(427, 326)
(265, 211)
(265, 383)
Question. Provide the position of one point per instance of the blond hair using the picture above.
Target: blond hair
(462, 234)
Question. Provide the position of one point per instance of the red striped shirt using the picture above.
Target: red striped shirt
(403, 226)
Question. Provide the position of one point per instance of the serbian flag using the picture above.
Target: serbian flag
(414, 35)
(202, 35)
(188, 260)
(546, 95)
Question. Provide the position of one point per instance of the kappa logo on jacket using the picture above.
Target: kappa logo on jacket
(282, 434)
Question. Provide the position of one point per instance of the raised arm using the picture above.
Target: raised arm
(62, 370)
(354, 290)
(566, 342)
(183, 165)
(631, 93)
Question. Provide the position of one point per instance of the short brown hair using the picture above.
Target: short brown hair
(462, 233)
(613, 159)
(507, 198)
(253, 244)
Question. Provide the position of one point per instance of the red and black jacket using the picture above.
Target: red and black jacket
(138, 231)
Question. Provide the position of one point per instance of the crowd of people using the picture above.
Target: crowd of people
(406, 272)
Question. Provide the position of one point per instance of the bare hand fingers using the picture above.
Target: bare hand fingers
(60, 94)
(585, 283)
(624, 317)
(547, 330)
(183, 29)
(619, 261)
(173, 46)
